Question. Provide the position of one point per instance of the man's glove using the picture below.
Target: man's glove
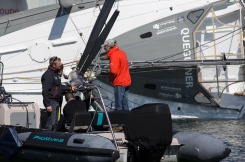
(105, 71)
(104, 58)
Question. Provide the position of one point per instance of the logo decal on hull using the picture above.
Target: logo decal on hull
(186, 43)
(165, 30)
(50, 139)
(159, 25)
(178, 96)
(188, 78)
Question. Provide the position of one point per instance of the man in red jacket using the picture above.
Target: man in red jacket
(119, 73)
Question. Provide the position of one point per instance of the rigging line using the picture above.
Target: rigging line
(176, 54)
(164, 58)
(26, 17)
(34, 39)
(11, 56)
(68, 31)
(45, 22)
(196, 52)
(163, 68)
(156, 70)
(179, 53)
(149, 2)
(32, 70)
(91, 18)
(99, 7)
(117, 4)
(33, 20)
(80, 36)
(78, 31)
(182, 57)
(232, 37)
(90, 22)
(24, 78)
(210, 46)
(137, 4)
(200, 48)
(153, 11)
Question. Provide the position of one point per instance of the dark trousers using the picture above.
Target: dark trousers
(121, 97)
(53, 116)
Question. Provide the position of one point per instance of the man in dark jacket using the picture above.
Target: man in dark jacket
(52, 90)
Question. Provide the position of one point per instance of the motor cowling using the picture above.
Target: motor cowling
(148, 129)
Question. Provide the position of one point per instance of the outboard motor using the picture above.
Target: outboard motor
(148, 130)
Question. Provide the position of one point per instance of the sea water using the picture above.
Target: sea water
(231, 132)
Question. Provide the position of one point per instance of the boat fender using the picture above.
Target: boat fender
(200, 147)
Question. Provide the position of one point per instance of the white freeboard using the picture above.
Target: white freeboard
(20, 114)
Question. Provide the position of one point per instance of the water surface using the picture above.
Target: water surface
(231, 132)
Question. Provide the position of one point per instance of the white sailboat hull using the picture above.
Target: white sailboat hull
(25, 52)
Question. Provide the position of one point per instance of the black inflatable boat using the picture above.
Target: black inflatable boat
(148, 129)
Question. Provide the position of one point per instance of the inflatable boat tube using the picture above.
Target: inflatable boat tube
(56, 146)
(200, 147)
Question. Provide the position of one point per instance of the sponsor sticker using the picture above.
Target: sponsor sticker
(165, 30)
(159, 25)
(50, 139)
